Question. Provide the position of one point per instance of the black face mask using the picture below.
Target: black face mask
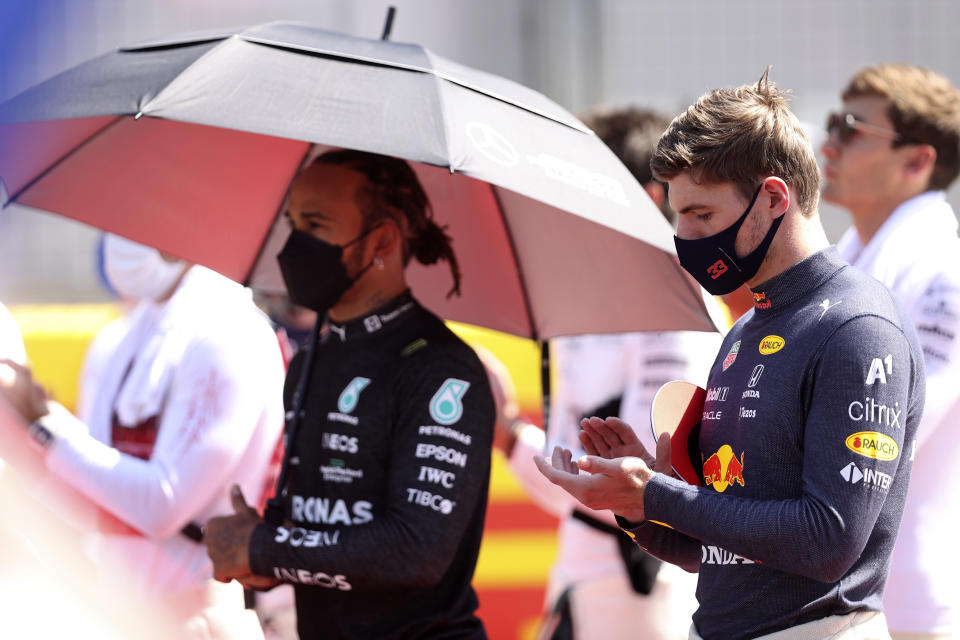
(313, 270)
(713, 260)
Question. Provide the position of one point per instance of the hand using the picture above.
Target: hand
(614, 438)
(507, 427)
(617, 484)
(228, 539)
(19, 389)
(257, 583)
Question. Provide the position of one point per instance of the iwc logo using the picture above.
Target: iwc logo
(446, 405)
(349, 397)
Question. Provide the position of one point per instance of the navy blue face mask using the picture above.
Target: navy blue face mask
(713, 260)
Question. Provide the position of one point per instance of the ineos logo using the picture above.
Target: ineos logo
(492, 144)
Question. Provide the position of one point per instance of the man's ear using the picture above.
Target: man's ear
(778, 192)
(388, 239)
(920, 161)
(656, 192)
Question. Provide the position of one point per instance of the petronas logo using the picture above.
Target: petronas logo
(446, 405)
(349, 397)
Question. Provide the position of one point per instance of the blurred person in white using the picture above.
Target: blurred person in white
(11, 342)
(892, 152)
(602, 585)
(181, 402)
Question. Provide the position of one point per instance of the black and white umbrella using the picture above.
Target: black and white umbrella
(189, 144)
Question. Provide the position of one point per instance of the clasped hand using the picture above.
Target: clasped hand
(228, 544)
(618, 467)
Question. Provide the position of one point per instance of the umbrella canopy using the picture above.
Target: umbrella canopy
(190, 144)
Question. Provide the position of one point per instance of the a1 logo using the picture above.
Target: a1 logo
(349, 397)
(446, 405)
(877, 370)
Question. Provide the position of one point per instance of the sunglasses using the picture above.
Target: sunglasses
(845, 126)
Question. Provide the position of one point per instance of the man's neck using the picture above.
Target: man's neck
(800, 242)
(361, 304)
(868, 220)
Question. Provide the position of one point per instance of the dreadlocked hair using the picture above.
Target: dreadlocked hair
(393, 192)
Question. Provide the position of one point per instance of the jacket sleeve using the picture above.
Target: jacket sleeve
(436, 488)
(937, 321)
(823, 531)
(218, 396)
(664, 543)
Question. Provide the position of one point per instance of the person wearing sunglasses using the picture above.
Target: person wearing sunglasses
(890, 156)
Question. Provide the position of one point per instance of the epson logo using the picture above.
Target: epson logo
(441, 454)
(323, 511)
(338, 442)
(437, 476)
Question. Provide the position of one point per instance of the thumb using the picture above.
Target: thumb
(662, 464)
(596, 464)
(237, 500)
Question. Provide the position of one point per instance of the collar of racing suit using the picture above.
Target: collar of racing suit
(796, 282)
(372, 323)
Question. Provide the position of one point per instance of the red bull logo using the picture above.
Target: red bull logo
(761, 301)
(722, 469)
(732, 355)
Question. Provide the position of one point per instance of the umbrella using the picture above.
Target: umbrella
(189, 145)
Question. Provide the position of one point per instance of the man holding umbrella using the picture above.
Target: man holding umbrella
(388, 469)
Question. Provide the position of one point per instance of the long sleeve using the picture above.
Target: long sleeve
(209, 410)
(822, 532)
(436, 484)
(937, 320)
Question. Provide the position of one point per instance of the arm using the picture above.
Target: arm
(413, 542)
(821, 533)
(218, 395)
(937, 321)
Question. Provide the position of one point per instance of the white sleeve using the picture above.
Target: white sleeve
(546, 495)
(937, 321)
(11, 342)
(662, 357)
(218, 396)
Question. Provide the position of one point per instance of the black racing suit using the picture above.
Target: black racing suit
(388, 482)
(805, 446)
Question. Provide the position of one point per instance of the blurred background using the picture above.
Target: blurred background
(580, 53)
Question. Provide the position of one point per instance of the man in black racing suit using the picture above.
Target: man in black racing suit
(388, 468)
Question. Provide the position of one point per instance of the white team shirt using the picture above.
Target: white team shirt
(589, 371)
(209, 363)
(916, 254)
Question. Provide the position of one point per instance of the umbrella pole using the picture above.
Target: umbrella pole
(545, 381)
(274, 511)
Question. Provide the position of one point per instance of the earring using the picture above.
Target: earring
(377, 260)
